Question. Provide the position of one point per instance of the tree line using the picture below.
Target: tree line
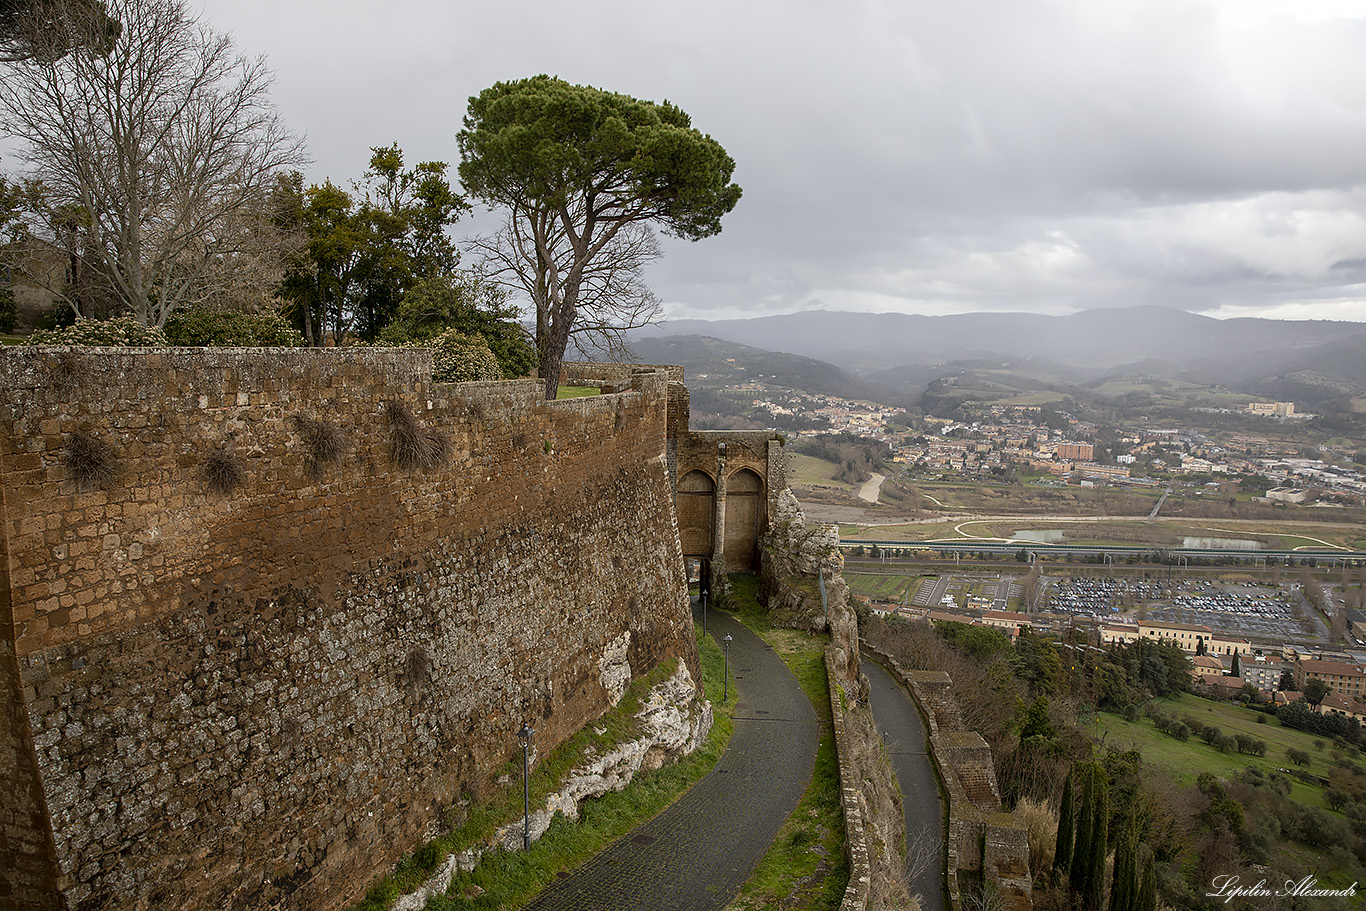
(160, 179)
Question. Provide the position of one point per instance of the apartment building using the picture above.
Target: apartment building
(1342, 678)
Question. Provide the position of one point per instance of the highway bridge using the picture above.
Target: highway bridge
(1325, 556)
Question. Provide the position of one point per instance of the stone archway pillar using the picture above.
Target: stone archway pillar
(720, 581)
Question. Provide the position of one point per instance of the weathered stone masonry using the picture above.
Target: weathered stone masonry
(259, 698)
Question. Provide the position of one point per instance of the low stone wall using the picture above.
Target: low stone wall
(614, 377)
(981, 839)
(851, 798)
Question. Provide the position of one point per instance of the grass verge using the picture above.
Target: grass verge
(510, 879)
(805, 869)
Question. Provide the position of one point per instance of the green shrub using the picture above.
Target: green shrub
(9, 310)
(467, 304)
(460, 358)
(119, 332)
(209, 327)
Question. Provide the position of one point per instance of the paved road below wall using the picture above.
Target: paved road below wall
(697, 854)
(903, 734)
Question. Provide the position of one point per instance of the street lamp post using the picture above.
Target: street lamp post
(725, 672)
(524, 738)
(704, 611)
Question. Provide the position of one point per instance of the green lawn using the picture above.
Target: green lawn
(576, 392)
(1189, 759)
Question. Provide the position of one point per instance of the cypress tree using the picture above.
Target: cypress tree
(1100, 828)
(1124, 886)
(1081, 845)
(1146, 900)
(1067, 825)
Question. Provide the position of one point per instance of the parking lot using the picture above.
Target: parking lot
(1242, 610)
(1100, 597)
(1236, 610)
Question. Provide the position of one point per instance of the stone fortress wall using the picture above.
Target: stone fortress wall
(264, 612)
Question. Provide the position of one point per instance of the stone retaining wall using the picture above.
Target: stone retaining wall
(851, 798)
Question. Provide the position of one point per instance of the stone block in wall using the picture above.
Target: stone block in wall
(970, 758)
(934, 691)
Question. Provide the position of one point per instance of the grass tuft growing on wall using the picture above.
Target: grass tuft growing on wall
(412, 445)
(324, 444)
(223, 471)
(90, 462)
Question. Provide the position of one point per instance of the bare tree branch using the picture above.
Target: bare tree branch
(613, 298)
(167, 144)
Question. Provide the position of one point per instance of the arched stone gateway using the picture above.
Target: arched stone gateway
(744, 519)
(696, 513)
(735, 478)
(726, 483)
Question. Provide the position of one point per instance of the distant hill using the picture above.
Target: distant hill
(1154, 359)
(714, 363)
(1091, 342)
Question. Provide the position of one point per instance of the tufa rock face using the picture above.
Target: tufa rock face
(797, 559)
(675, 723)
(614, 669)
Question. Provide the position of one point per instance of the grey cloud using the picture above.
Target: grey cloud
(916, 155)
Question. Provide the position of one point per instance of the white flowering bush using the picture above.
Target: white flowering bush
(119, 332)
(460, 358)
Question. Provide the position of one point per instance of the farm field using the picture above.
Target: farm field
(883, 586)
(808, 471)
(913, 531)
(1170, 533)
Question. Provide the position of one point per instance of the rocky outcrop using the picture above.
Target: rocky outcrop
(798, 560)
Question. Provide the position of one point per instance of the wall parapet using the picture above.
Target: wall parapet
(851, 798)
(258, 688)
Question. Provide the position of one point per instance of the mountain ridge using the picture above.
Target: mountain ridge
(1089, 339)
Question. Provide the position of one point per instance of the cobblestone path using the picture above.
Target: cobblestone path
(903, 734)
(698, 853)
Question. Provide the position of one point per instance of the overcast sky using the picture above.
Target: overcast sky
(922, 156)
